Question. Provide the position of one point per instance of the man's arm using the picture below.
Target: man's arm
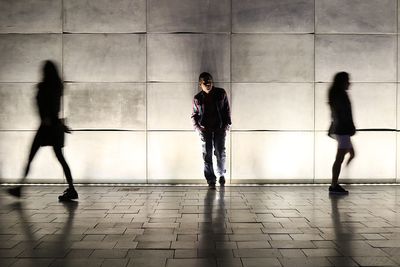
(227, 110)
(196, 115)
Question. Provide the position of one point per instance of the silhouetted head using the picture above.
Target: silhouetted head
(50, 72)
(341, 81)
(206, 82)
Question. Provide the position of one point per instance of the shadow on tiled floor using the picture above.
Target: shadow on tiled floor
(192, 226)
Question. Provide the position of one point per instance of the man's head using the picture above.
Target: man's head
(206, 82)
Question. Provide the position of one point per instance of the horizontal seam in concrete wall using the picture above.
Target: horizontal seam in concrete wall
(233, 131)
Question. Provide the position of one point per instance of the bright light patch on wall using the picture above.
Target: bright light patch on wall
(272, 155)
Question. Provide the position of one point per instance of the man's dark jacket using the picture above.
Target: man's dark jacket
(222, 104)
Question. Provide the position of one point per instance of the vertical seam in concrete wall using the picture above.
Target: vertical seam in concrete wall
(231, 88)
(62, 70)
(314, 86)
(397, 89)
(145, 100)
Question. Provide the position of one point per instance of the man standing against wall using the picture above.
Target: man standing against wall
(211, 118)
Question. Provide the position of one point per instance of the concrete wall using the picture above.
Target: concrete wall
(131, 66)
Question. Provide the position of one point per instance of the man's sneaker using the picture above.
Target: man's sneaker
(222, 181)
(211, 186)
(338, 190)
(15, 191)
(69, 194)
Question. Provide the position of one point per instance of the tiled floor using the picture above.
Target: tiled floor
(191, 226)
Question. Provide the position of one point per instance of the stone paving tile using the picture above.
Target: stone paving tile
(7, 262)
(191, 262)
(253, 244)
(229, 262)
(109, 253)
(305, 262)
(374, 261)
(126, 245)
(79, 253)
(8, 244)
(180, 226)
(114, 263)
(342, 261)
(93, 244)
(215, 253)
(185, 253)
(396, 259)
(292, 253)
(93, 237)
(385, 244)
(280, 237)
(256, 253)
(249, 237)
(324, 244)
(260, 262)
(154, 245)
(150, 253)
(322, 252)
(291, 244)
(77, 262)
(33, 262)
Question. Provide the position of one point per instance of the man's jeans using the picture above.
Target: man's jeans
(209, 140)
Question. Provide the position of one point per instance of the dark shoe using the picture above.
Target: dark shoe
(69, 194)
(338, 190)
(222, 181)
(211, 186)
(15, 191)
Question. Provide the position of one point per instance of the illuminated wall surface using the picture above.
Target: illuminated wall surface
(130, 69)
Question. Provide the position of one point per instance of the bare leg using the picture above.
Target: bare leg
(337, 166)
(34, 149)
(352, 154)
(64, 164)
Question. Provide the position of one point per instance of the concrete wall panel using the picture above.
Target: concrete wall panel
(272, 58)
(273, 106)
(22, 55)
(131, 69)
(269, 16)
(182, 57)
(108, 157)
(103, 16)
(375, 157)
(14, 151)
(189, 16)
(272, 155)
(105, 57)
(170, 105)
(22, 113)
(106, 106)
(373, 105)
(356, 16)
(368, 58)
(175, 156)
(31, 16)
(398, 159)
